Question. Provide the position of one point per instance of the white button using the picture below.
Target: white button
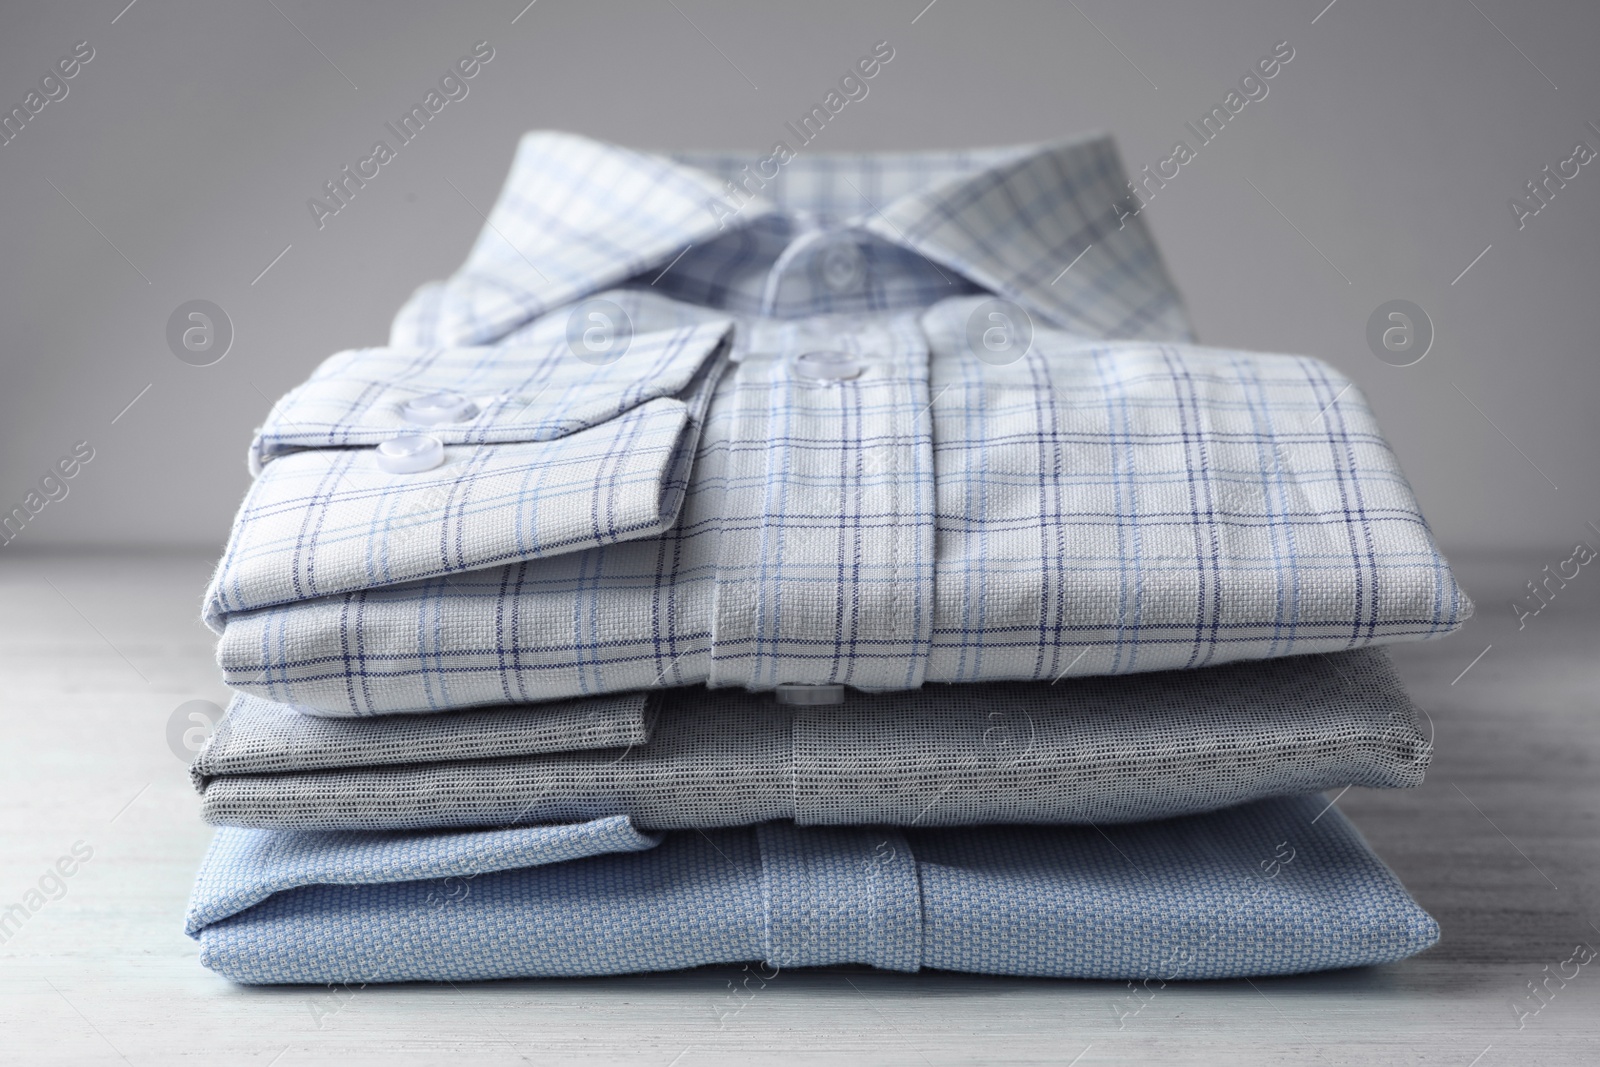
(828, 366)
(841, 265)
(436, 408)
(410, 454)
(795, 693)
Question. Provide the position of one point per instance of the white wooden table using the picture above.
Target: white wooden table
(1500, 845)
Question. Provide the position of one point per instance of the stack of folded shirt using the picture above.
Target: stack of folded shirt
(855, 563)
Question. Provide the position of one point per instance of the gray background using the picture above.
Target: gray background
(1393, 142)
(1383, 161)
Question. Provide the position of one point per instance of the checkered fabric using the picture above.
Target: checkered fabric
(1091, 750)
(1029, 473)
(562, 454)
(576, 216)
(1276, 887)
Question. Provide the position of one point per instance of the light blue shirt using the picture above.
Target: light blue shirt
(1275, 887)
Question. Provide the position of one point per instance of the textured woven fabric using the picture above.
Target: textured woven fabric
(256, 737)
(1276, 887)
(577, 216)
(242, 870)
(1193, 508)
(1099, 750)
(1001, 491)
(562, 454)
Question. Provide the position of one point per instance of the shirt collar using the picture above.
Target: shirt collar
(1041, 225)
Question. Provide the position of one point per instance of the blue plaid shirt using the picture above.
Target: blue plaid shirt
(875, 420)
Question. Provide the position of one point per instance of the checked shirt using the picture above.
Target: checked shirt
(896, 419)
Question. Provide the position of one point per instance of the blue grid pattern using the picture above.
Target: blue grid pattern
(1095, 508)
(577, 216)
(561, 455)
(1114, 500)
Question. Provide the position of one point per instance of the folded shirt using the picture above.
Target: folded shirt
(1276, 887)
(1132, 511)
(1095, 750)
(852, 433)
(259, 738)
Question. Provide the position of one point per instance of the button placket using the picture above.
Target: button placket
(839, 895)
(825, 560)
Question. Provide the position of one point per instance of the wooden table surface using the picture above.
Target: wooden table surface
(1499, 844)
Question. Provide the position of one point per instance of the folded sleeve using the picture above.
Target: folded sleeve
(576, 432)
